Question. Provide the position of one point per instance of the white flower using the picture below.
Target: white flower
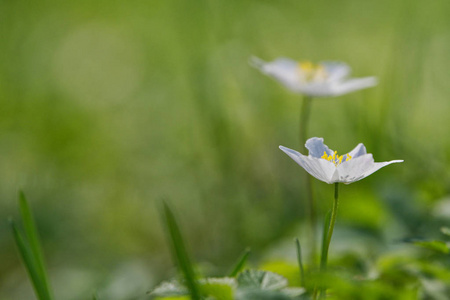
(323, 80)
(324, 164)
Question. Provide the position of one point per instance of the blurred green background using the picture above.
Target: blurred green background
(107, 107)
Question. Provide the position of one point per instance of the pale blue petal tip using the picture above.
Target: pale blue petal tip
(316, 147)
(288, 150)
(256, 62)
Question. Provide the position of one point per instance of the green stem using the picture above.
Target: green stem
(305, 113)
(300, 263)
(324, 258)
(333, 213)
(304, 118)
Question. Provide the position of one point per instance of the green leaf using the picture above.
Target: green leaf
(219, 288)
(33, 239)
(261, 295)
(324, 254)
(439, 246)
(300, 263)
(293, 292)
(29, 262)
(174, 298)
(240, 263)
(180, 253)
(169, 289)
(261, 280)
(445, 230)
(288, 270)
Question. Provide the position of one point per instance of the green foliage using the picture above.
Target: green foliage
(248, 285)
(341, 286)
(180, 253)
(439, 246)
(300, 262)
(30, 250)
(445, 230)
(109, 105)
(436, 245)
(261, 280)
(284, 268)
(394, 277)
(257, 284)
(169, 289)
(240, 263)
(219, 288)
(324, 249)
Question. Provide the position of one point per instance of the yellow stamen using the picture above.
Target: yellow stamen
(307, 66)
(335, 158)
(312, 71)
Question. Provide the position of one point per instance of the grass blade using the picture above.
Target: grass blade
(240, 263)
(29, 262)
(300, 263)
(324, 254)
(180, 253)
(33, 240)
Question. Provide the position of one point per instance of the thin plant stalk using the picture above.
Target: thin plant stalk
(29, 262)
(240, 263)
(300, 263)
(30, 251)
(180, 253)
(329, 234)
(305, 113)
(333, 215)
(324, 251)
(33, 240)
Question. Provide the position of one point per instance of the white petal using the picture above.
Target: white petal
(319, 168)
(317, 89)
(359, 150)
(354, 85)
(377, 166)
(336, 70)
(256, 62)
(359, 168)
(316, 147)
(335, 88)
(289, 73)
(354, 169)
(285, 70)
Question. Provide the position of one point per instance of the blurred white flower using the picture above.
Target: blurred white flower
(325, 165)
(325, 79)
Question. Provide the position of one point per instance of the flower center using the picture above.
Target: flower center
(311, 72)
(335, 158)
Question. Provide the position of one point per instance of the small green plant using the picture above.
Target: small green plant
(240, 284)
(439, 246)
(30, 251)
(180, 253)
